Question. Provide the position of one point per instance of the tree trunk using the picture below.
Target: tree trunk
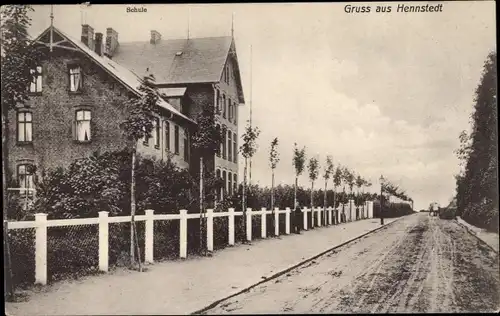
(8, 286)
(335, 206)
(324, 204)
(272, 200)
(295, 192)
(272, 190)
(244, 195)
(202, 221)
(312, 204)
(132, 206)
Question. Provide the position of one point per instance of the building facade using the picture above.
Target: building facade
(190, 73)
(75, 108)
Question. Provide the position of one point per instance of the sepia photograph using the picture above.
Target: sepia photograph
(250, 158)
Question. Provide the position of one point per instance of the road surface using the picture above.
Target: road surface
(417, 264)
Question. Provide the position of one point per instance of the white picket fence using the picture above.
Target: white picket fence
(41, 224)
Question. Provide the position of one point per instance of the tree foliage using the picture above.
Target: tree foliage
(19, 56)
(249, 146)
(313, 168)
(329, 168)
(274, 157)
(477, 183)
(299, 159)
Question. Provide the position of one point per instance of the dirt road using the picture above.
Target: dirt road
(417, 264)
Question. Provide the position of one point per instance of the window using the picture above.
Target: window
(176, 139)
(229, 183)
(230, 111)
(145, 138)
(224, 135)
(235, 183)
(83, 125)
(219, 150)
(75, 79)
(167, 136)
(235, 113)
(36, 83)
(224, 106)
(219, 191)
(24, 127)
(229, 146)
(235, 152)
(25, 175)
(186, 145)
(225, 183)
(156, 132)
(217, 100)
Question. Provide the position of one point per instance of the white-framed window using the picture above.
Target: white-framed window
(235, 113)
(82, 128)
(186, 145)
(217, 100)
(25, 178)
(24, 127)
(229, 146)
(36, 82)
(225, 183)
(229, 184)
(235, 149)
(156, 132)
(224, 106)
(219, 151)
(219, 190)
(229, 110)
(167, 136)
(75, 78)
(176, 139)
(224, 142)
(235, 183)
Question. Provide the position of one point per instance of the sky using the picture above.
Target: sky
(382, 93)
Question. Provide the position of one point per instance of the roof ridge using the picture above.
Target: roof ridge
(176, 39)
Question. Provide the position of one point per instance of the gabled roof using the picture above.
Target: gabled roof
(122, 74)
(181, 61)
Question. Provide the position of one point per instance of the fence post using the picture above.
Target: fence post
(183, 234)
(231, 226)
(304, 212)
(210, 229)
(103, 241)
(149, 237)
(249, 224)
(287, 221)
(352, 209)
(319, 212)
(263, 222)
(41, 248)
(330, 211)
(276, 222)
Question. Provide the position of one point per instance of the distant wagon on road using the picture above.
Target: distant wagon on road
(434, 209)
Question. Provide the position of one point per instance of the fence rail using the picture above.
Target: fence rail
(324, 216)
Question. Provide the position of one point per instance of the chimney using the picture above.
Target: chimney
(155, 37)
(88, 36)
(111, 42)
(98, 44)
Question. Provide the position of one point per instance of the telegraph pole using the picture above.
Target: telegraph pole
(381, 200)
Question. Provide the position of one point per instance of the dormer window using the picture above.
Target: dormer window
(36, 80)
(75, 78)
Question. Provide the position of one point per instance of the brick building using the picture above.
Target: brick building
(192, 72)
(76, 106)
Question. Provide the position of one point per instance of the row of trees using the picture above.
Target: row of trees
(477, 182)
